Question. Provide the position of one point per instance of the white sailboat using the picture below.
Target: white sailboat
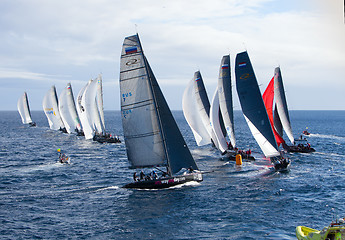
(68, 110)
(24, 110)
(151, 134)
(51, 110)
(81, 109)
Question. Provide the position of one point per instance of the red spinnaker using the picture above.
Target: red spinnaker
(268, 97)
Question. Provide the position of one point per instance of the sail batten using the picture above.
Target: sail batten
(151, 134)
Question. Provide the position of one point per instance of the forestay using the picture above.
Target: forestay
(151, 134)
(51, 109)
(253, 107)
(225, 98)
(68, 110)
(23, 109)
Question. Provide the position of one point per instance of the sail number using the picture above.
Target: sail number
(126, 112)
(126, 95)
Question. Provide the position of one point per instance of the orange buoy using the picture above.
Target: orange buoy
(238, 159)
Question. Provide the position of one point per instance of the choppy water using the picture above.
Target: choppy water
(40, 198)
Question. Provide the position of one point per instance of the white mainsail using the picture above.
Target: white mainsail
(23, 109)
(91, 107)
(81, 109)
(99, 98)
(191, 113)
(68, 110)
(51, 109)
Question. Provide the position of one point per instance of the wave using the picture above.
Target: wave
(327, 136)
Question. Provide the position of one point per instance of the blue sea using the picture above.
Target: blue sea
(43, 199)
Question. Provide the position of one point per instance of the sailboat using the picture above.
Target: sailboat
(51, 110)
(151, 134)
(84, 118)
(98, 115)
(68, 111)
(275, 90)
(24, 110)
(254, 111)
(222, 108)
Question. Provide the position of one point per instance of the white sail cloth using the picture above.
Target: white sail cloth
(51, 109)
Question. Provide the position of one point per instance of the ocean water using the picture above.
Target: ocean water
(43, 199)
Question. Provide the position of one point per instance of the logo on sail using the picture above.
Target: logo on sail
(130, 50)
(245, 76)
(132, 61)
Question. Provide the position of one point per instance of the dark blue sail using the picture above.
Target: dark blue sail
(253, 107)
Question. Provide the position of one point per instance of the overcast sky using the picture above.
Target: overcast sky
(43, 43)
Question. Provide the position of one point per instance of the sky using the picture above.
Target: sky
(45, 43)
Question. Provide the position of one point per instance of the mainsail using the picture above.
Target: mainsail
(99, 98)
(91, 107)
(151, 134)
(277, 123)
(191, 113)
(279, 95)
(68, 110)
(51, 109)
(225, 98)
(85, 121)
(253, 107)
(24, 109)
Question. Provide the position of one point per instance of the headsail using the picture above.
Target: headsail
(219, 140)
(225, 98)
(85, 121)
(253, 107)
(268, 97)
(68, 110)
(24, 109)
(191, 113)
(151, 134)
(51, 109)
(282, 108)
(203, 104)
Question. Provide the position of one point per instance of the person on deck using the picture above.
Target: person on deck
(135, 178)
(142, 175)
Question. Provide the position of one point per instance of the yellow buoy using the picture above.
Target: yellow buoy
(238, 159)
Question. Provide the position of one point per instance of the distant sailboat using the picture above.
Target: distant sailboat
(84, 118)
(254, 111)
(98, 115)
(68, 111)
(24, 110)
(51, 110)
(151, 134)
